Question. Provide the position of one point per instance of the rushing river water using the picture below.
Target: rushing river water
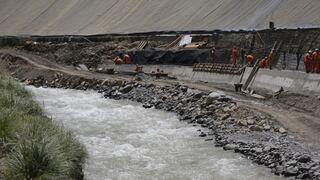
(126, 141)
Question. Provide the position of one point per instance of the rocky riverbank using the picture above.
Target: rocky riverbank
(232, 127)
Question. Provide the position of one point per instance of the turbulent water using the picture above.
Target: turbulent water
(126, 141)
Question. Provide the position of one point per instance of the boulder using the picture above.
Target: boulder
(255, 128)
(282, 130)
(126, 89)
(242, 123)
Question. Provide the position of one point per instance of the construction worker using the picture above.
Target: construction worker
(117, 60)
(213, 55)
(263, 63)
(316, 61)
(250, 60)
(308, 58)
(270, 59)
(234, 55)
(126, 59)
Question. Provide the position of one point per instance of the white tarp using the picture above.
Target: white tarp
(187, 39)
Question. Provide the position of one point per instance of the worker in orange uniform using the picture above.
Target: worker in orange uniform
(234, 55)
(308, 58)
(117, 60)
(263, 62)
(270, 59)
(316, 61)
(126, 59)
(250, 60)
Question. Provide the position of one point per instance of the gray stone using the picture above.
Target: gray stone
(226, 116)
(255, 128)
(304, 159)
(126, 89)
(266, 127)
(282, 130)
(290, 171)
(230, 147)
(250, 122)
(242, 123)
(83, 67)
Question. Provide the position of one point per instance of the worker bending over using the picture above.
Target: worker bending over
(126, 59)
(234, 55)
(308, 60)
(263, 62)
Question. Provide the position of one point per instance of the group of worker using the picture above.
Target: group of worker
(121, 59)
(265, 62)
(312, 61)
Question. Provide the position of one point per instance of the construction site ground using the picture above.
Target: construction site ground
(298, 113)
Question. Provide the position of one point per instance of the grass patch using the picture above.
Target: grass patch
(32, 145)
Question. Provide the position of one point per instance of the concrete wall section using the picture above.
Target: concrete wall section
(292, 81)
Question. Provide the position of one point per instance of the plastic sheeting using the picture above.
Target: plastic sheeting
(60, 17)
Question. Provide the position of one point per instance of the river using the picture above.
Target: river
(127, 142)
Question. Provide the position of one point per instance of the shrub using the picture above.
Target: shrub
(35, 147)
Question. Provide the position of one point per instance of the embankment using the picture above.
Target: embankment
(32, 146)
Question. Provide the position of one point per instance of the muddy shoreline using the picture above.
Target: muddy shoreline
(235, 128)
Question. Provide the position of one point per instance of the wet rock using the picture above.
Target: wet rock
(304, 159)
(126, 89)
(290, 171)
(202, 134)
(228, 147)
(147, 106)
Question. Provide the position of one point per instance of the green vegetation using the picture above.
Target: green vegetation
(32, 146)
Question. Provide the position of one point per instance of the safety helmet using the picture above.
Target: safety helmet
(310, 52)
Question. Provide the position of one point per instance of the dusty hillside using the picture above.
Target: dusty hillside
(52, 17)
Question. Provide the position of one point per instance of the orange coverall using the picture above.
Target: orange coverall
(235, 55)
(263, 63)
(308, 58)
(316, 62)
(126, 59)
(270, 59)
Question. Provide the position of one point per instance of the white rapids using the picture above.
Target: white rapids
(127, 142)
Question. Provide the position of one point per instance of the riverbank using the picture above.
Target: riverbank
(236, 128)
(32, 146)
(244, 129)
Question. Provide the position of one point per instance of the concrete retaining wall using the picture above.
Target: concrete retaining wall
(292, 81)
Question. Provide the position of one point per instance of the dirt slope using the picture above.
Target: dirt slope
(53, 17)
